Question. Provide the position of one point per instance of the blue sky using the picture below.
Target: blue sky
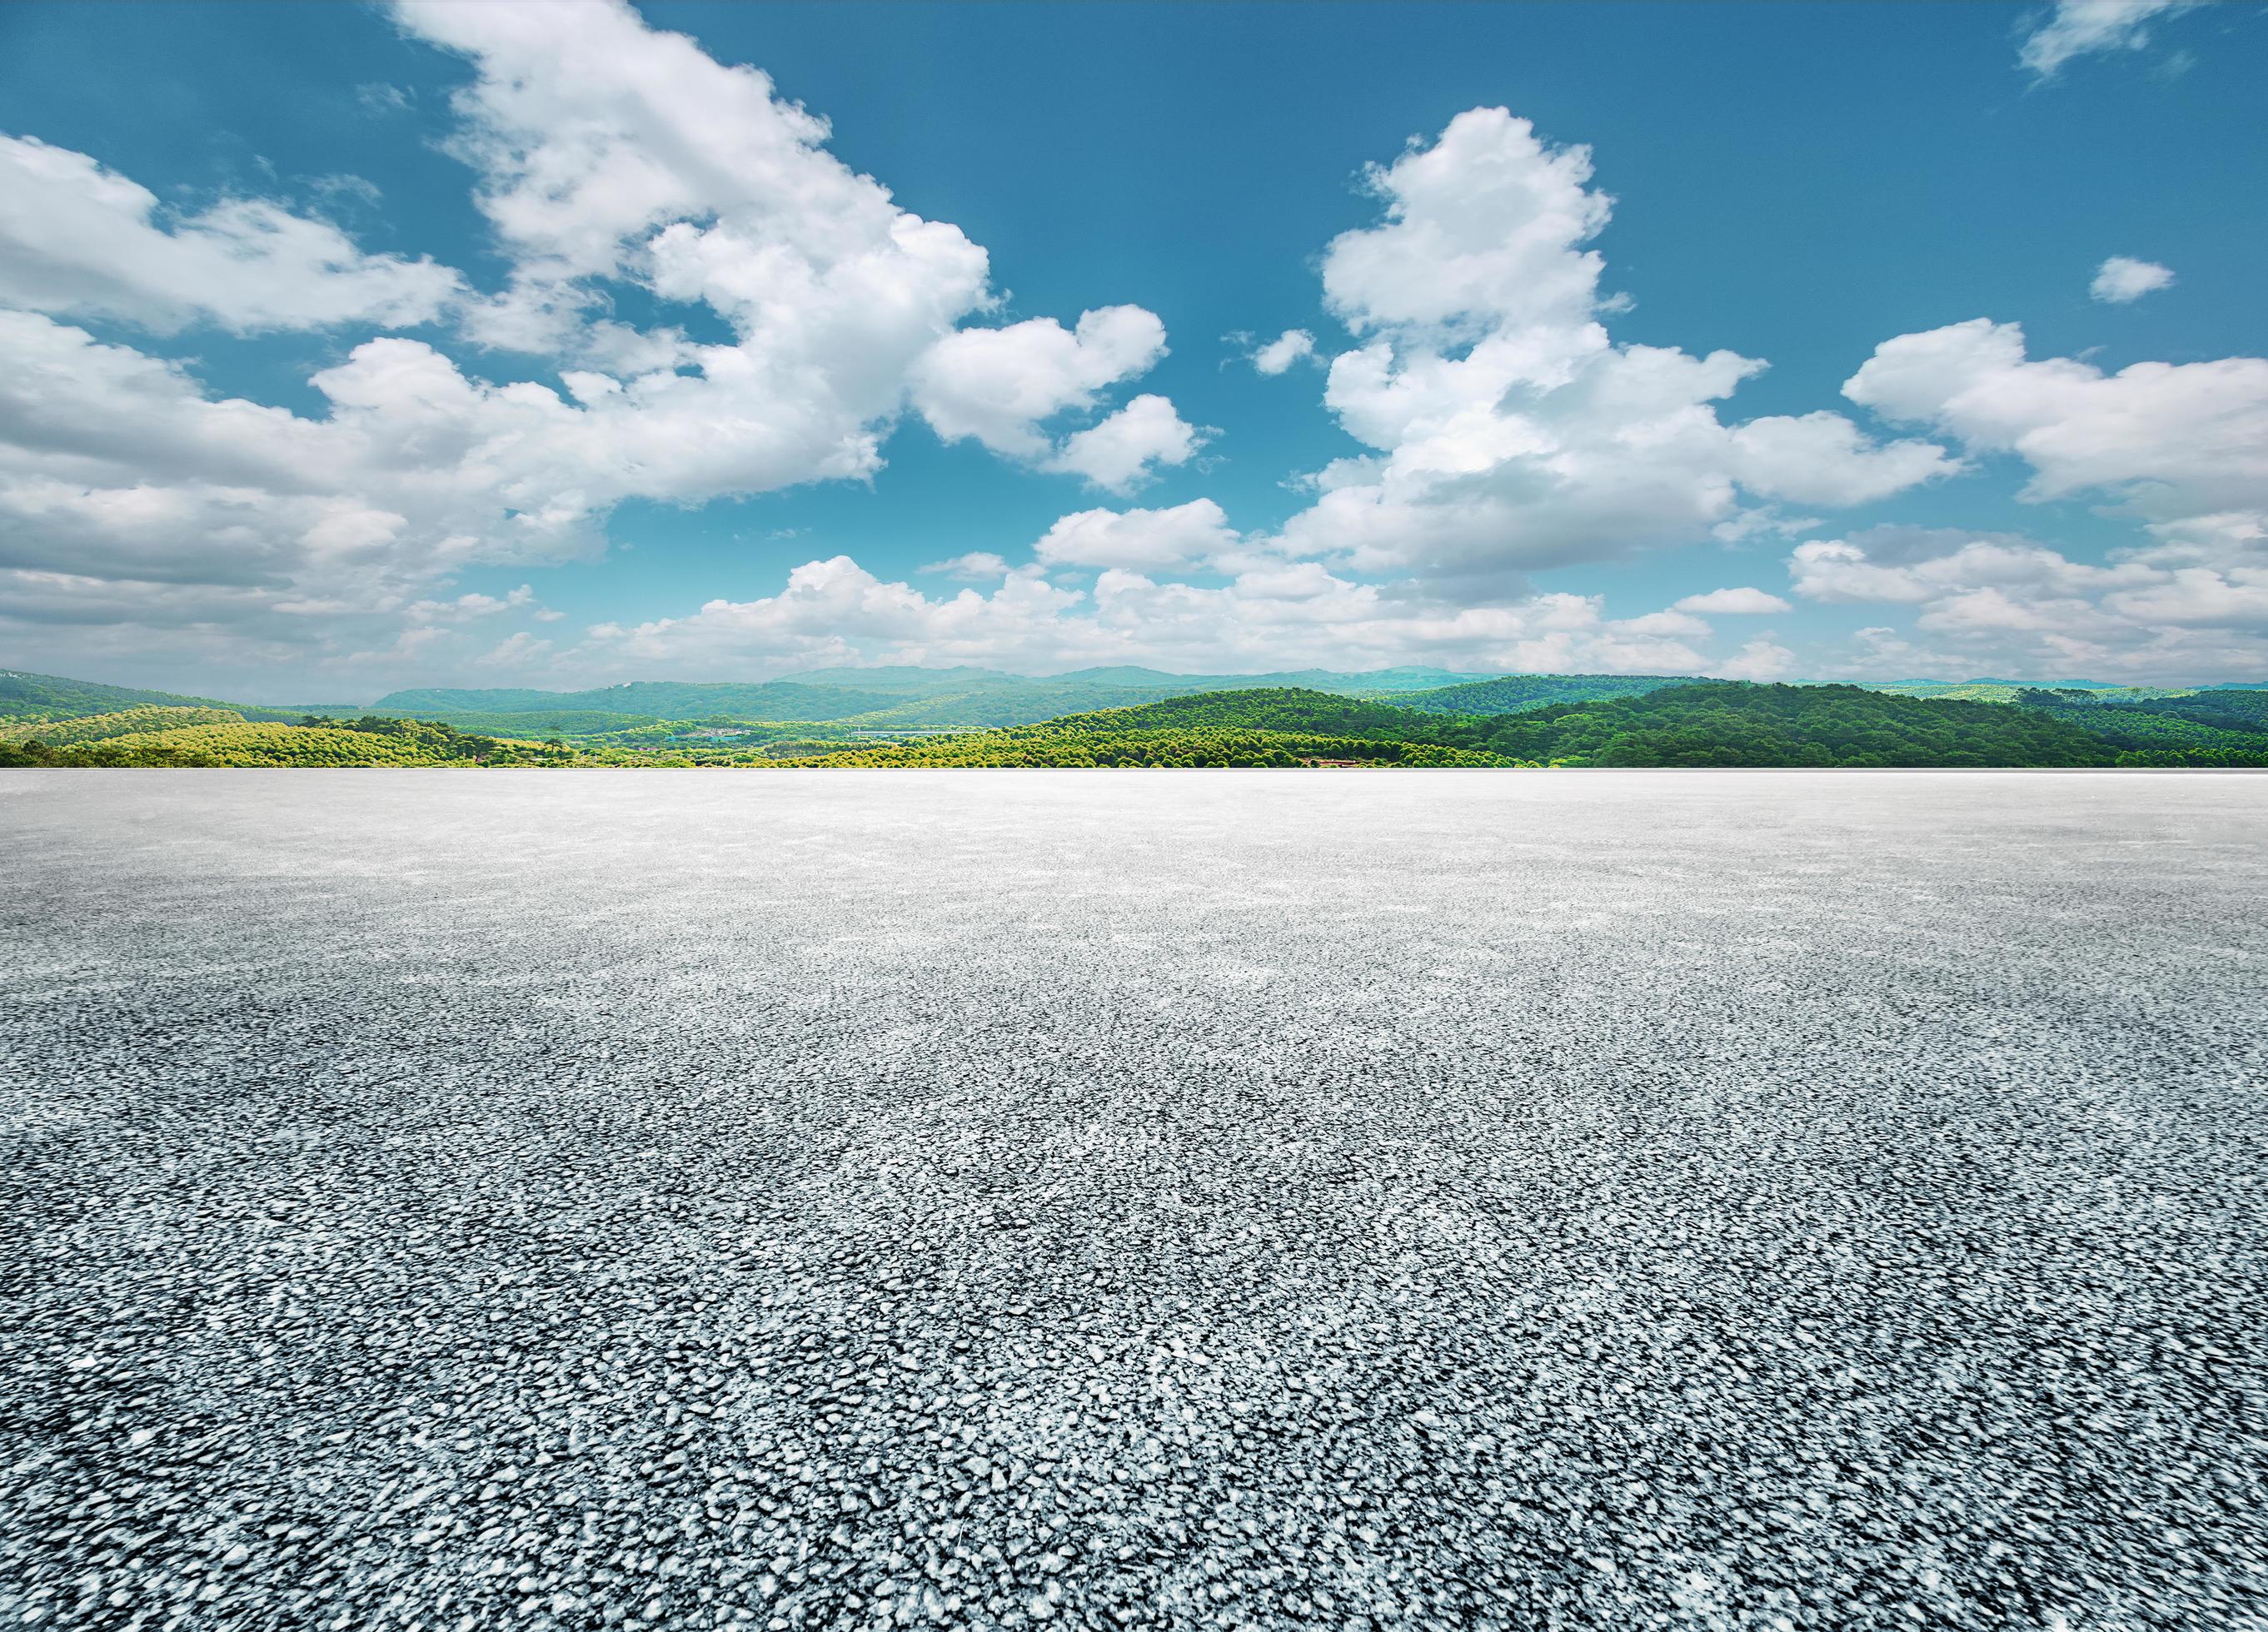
(362, 346)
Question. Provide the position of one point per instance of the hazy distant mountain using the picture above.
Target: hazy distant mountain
(903, 679)
(906, 699)
(51, 697)
(961, 682)
(890, 698)
(657, 700)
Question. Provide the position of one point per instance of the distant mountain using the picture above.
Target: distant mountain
(961, 682)
(895, 699)
(51, 697)
(1373, 682)
(905, 700)
(653, 699)
(903, 680)
(502, 699)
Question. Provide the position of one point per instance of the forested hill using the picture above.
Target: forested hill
(51, 697)
(1710, 724)
(1280, 709)
(1704, 722)
(1725, 722)
(1510, 693)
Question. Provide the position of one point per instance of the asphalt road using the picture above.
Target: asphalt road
(470, 1199)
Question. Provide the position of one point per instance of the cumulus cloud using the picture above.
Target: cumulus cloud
(1290, 346)
(608, 150)
(1508, 430)
(468, 607)
(1501, 427)
(1120, 452)
(1137, 540)
(2123, 278)
(77, 239)
(834, 611)
(1759, 660)
(1738, 602)
(2193, 601)
(2077, 27)
(606, 155)
(518, 651)
(976, 565)
(2171, 443)
(998, 384)
(1279, 615)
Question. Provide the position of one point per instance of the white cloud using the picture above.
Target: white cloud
(383, 99)
(1288, 614)
(2077, 27)
(408, 646)
(468, 607)
(77, 239)
(518, 651)
(834, 611)
(1759, 660)
(998, 384)
(607, 154)
(1137, 540)
(2185, 607)
(1823, 458)
(1509, 431)
(607, 149)
(2123, 278)
(1673, 622)
(1481, 235)
(1290, 346)
(2171, 441)
(1119, 453)
(1502, 427)
(976, 566)
(1737, 602)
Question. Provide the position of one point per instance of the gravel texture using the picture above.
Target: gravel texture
(471, 1200)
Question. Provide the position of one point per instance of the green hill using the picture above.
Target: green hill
(1272, 726)
(371, 740)
(1730, 724)
(1192, 747)
(537, 722)
(1023, 703)
(57, 733)
(51, 697)
(1511, 694)
(1709, 724)
(2222, 726)
(1648, 721)
(1277, 708)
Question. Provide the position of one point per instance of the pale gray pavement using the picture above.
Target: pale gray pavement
(1364, 1198)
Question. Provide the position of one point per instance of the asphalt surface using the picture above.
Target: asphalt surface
(470, 1200)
